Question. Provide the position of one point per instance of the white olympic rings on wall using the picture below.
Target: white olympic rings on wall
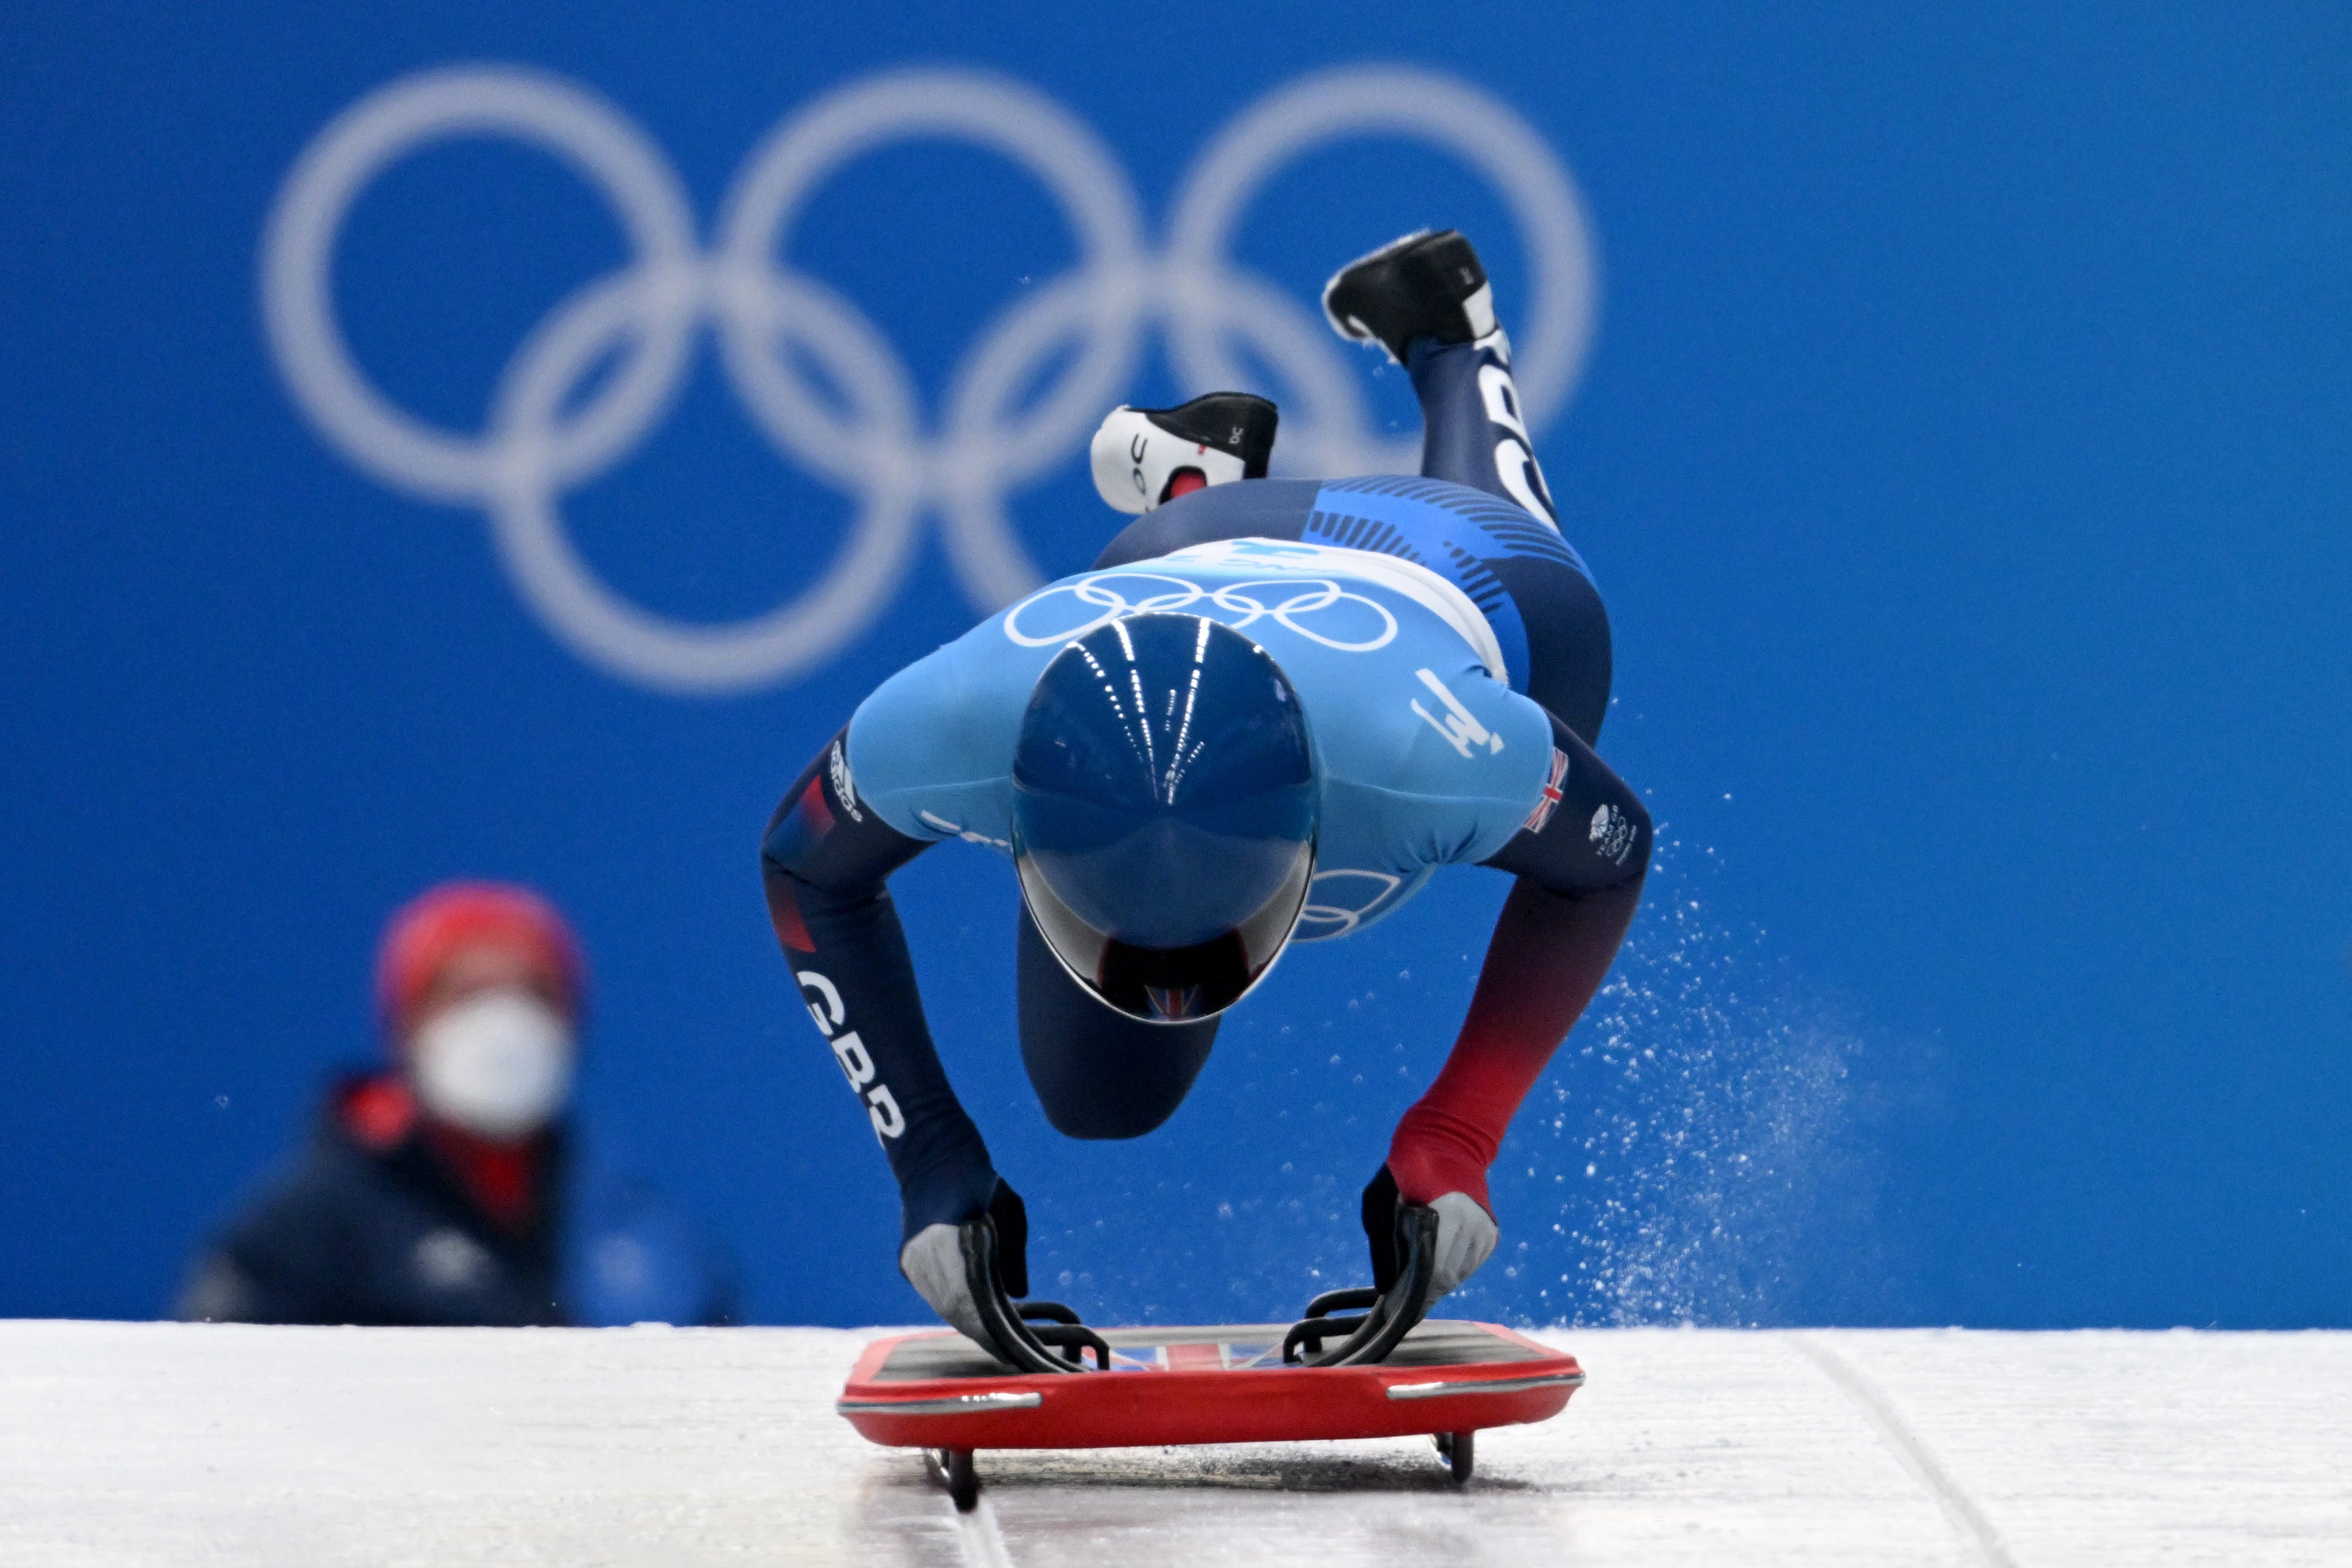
(899, 468)
(1306, 595)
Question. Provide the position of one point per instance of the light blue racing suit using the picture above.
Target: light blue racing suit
(1426, 757)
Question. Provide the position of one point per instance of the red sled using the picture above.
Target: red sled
(1388, 1373)
(1227, 1384)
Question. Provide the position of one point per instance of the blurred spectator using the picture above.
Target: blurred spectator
(451, 1189)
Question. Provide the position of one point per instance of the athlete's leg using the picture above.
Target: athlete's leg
(1253, 510)
(1425, 299)
(1569, 663)
(1099, 1073)
(1472, 430)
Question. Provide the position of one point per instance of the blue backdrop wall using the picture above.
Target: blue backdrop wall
(423, 452)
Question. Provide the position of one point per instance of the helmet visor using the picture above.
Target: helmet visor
(1168, 985)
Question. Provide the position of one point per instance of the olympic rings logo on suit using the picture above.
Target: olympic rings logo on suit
(1341, 919)
(1307, 596)
(899, 466)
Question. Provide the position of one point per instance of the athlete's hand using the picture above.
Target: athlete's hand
(932, 1261)
(1467, 1235)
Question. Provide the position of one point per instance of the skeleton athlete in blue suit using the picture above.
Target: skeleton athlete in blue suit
(1270, 711)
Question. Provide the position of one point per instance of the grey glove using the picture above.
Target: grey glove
(933, 1263)
(1467, 1235)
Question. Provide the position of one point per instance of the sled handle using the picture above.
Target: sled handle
(1342, 1300)
(1392, 1315)
(1052, 1311)
(1014, 1343)
(1311, 1332)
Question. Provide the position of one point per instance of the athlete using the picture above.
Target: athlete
(1269, 712)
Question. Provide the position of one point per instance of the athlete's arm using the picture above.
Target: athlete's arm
(824, 861)
(1580, 864)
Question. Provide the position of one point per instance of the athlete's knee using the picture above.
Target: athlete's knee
(1114, 1078)
(1104, 1118)
(1097, 1075)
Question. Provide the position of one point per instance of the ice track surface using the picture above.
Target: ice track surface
(152, 1444)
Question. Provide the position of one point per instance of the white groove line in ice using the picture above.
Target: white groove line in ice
(1969, 1523)
(978, 1540)
(977, 1537)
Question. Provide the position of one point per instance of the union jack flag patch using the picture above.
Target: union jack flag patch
(1552, 794)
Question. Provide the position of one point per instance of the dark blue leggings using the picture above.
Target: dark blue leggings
(1100, 1074)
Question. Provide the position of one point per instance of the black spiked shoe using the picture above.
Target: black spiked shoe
(1236, 424)
(1426, 284)
(1143, 457)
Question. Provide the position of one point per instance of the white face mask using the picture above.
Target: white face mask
(497, 1064)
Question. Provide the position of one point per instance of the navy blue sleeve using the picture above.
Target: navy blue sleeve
(1588, 833)
(825, 862)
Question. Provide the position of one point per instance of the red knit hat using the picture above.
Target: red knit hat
(433, 926)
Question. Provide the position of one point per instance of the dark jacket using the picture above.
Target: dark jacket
(374, 1223)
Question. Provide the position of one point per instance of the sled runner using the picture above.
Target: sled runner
(1057, 1383)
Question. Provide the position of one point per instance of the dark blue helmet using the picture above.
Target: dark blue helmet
(1164, 811)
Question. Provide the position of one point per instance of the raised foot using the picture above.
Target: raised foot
(1426, 284)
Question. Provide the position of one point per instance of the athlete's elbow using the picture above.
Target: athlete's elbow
(776, 872)
(776, 838)
(1622, 835)
(775, 850)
